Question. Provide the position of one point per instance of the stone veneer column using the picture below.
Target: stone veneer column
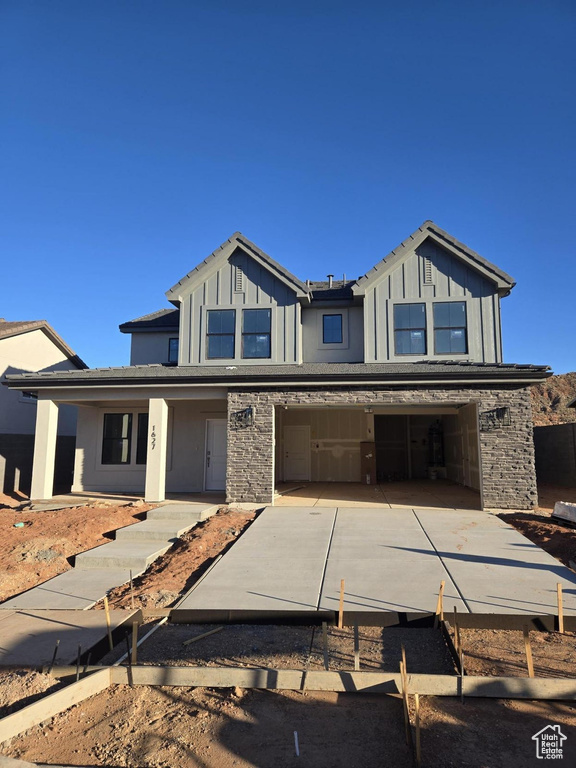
(250, 459)
(157, 450)
(44, 450)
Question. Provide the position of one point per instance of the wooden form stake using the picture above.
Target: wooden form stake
(417, 724)
(131, 592)
(405, 704)
(560, 609)
(341, 607)
(325, 644)
(134, 656)
(528, 648)
(440, 606)
(457, 641)
(108, 625)
(356, 648)
(204, 634)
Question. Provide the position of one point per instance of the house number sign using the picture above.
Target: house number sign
(153, 438)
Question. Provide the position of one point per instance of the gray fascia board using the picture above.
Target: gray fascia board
(429, 229)
(295, 379)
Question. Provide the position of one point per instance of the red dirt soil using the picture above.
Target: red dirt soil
(39, 550)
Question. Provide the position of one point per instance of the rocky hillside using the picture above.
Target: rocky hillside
(550, 398)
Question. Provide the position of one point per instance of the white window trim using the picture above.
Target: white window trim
(132, 466)
(237, 359)
(345, 343)
(430, 354)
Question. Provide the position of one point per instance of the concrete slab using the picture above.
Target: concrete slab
(137, 555)
(163, 529)
(71, 590)
(183, 510)
(392, 560)
(29, 637)
(496, 568)
(277, 565)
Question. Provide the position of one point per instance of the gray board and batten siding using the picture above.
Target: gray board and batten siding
(429, 274)
(235, 283)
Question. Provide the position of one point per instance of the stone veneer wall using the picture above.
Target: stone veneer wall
(507, 453)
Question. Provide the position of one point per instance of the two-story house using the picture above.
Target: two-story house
(256, 377)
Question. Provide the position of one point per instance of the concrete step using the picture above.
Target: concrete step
(193, 512)
(136, 555)
(163, 529)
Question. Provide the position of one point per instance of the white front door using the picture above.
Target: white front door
(296, 453)
(215, 455)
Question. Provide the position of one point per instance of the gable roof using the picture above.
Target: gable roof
(237, 240)
(10, 328)
(430, 230)
(162, 320)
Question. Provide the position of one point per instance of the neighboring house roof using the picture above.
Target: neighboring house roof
(16, 327)
(272, 375)
(431, 230)
(237, 240)
(162, 320)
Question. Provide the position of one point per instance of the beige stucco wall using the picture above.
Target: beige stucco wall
(185, 454)
(31, 351)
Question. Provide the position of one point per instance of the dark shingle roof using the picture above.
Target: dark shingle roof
(15, 327)
(271, 375)
(340, 290)
(162, 320)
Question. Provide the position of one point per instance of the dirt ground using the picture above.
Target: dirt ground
(558, 539)
(166, 727)
(221, 728)
(39, 550)
(294, 647)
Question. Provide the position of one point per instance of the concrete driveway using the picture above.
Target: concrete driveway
(291, 560)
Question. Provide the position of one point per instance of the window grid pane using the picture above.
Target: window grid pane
(410, 329)
(256, 334)
(142, 439)
(450, 326)
(220, 334)
(117, 437)
(332, 329)
(173, 351)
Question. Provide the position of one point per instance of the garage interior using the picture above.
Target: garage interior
(416, 450)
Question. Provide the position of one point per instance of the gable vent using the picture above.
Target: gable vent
(428, 279)
(239, 280)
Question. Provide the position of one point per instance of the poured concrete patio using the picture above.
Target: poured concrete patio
(290, 562)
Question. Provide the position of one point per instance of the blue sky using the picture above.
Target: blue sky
(137, 135)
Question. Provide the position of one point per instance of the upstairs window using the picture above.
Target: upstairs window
(173, 351)
(256, 333)
(410, 329)
(331, 329)
(450, 337)
(116, 439)
(220, 334)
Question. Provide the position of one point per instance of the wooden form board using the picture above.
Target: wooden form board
(367, 682)
(99, 679)
(53, 704)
